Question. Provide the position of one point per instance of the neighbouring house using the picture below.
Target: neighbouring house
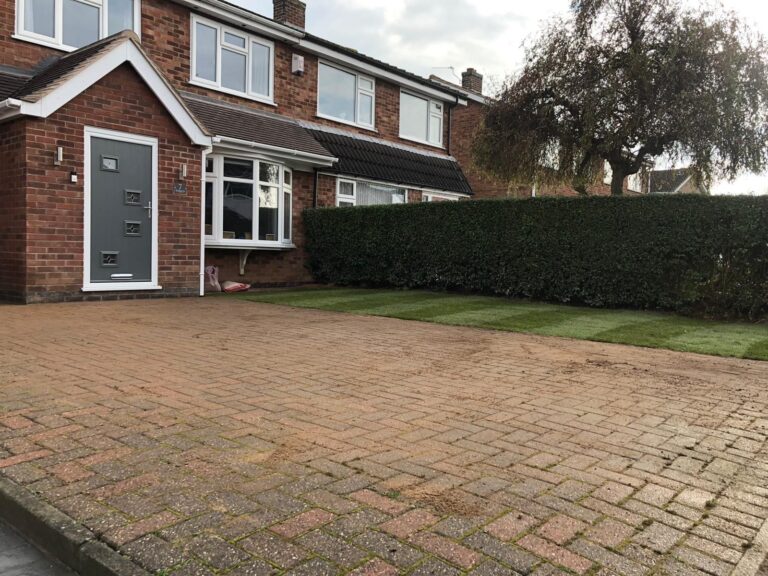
(145, 139)
(675, 181)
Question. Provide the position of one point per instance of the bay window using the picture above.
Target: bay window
(345, 96)
(232, 61)
(421, 119)
(362, 193)
(72, 24)
(247, 202)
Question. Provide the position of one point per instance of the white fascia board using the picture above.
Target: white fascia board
(10, 108)
(377, 72)
(109, 61)
(244, 19)
(275, 151)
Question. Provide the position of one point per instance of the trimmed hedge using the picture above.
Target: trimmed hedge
(697, 255)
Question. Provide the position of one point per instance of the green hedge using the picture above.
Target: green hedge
(698, 255)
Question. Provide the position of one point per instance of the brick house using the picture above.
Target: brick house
(145, 139)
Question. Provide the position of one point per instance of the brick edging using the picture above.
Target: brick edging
(59, 536)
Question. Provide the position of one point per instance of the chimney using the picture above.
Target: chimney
(290, 12)
(472, 80)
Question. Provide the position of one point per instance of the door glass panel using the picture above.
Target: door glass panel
(238, 211)
(120, 16)
(39, 17)
(205, 52)
(268, 213)
(269, 173)
(81, 23)
(234, 168)
(209, 208)
(261, 59)
(233, 70)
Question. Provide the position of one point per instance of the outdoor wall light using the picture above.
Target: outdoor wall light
(58, 157)
(183, 171)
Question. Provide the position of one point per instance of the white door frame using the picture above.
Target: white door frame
(88, 286)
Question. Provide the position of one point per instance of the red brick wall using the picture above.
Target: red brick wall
(166, 37)
(289, 267)
(465, 123)
(12, 214)
(121, 102)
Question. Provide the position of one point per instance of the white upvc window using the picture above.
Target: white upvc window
(346, 96)
(248, 202)
(229, 60)
(365, 193)
(72, 24)
(439, 197)
(421, 119)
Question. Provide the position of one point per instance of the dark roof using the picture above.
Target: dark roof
(381, 64)
(10, 83)
(233, 121)
(668, 181)
(365, 158)
(63, 66)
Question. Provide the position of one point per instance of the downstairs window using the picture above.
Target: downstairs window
(247, 202)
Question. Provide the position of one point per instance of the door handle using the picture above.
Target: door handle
(148, 208)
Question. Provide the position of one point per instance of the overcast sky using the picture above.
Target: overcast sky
(429, 37)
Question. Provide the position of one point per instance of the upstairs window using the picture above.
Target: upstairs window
(72, 24)
(346, 96)
(231, 61)
(421, 119)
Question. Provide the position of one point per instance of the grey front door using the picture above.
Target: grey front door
(121, 211)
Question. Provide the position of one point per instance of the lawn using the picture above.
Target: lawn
(650, 329)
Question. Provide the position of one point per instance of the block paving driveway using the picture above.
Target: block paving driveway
(215, 436)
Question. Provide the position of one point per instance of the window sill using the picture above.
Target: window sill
(120, 287)
(247, 245)
(345, 122)
(252, 98)
(424, 142)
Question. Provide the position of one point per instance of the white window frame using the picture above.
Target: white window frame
(353, 199)
(346, 198)
(286, 189)
(431, 116)
(432, 196)
(359, 90)
(250, 39)
(217, 240)
(57, 41)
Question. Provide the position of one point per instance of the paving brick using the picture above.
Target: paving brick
(375, 567)
(510, 525)
(555, 554)
(409, 523)
(468, 436)
(561, 529)
(432, 567)
(655, 495)
(387, 505)
(304, 522)
(274, 549)
(446, 549)
(609, 533)
(659, 537)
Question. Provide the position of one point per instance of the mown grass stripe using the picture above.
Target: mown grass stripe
(639, 328)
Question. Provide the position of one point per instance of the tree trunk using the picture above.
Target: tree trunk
(617, 180)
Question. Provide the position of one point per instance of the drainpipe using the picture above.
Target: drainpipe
(205, 153)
